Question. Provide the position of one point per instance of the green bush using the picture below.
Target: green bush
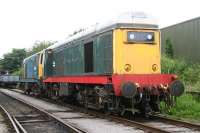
(172, 65)
(187, 72)
(186, 107)
(169, 48)
(18, 72)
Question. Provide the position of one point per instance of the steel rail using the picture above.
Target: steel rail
(178, 122)
(71, 128)
(10, 119)
(142, 126)
(145, 127)
(136, 124)
(19, 125)
(139, 125)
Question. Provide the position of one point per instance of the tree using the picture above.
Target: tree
(169, 48)
(12, 61)
(1, 67)
(38, 46)
(0, 64)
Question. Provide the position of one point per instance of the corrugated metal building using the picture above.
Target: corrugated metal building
(185, 38)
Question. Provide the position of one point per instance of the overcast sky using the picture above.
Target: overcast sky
(22, 22)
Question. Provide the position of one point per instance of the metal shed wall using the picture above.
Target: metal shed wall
(185, 38)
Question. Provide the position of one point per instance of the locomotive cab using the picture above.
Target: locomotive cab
(136, 51)
(137, 77)
(137, 71)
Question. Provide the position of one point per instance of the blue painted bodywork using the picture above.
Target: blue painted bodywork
(31, 68)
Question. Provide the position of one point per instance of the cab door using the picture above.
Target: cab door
(41, 65)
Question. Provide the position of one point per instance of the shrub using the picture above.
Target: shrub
(187, 72)
(187, 106)
(169, 48)
(169, 65)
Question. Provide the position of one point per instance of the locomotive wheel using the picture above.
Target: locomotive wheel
(129, 89)
(176, 88)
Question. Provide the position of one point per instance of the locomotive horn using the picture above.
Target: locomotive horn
(176, 88)
(129, 89)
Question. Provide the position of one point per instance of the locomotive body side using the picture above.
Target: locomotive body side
(31, 68)
(116, 68)
(31, 78)
(85, 56)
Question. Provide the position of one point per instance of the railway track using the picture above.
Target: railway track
(155, 124)
(163, 119)
(30, 119)
(7, 122)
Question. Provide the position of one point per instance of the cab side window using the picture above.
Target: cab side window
(88, 57)
(41, 58)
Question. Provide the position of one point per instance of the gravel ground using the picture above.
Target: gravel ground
(171, 128)
(21, 112)
(91, 125)
(3, 126)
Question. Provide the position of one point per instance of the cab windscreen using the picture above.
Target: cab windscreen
(142, 37)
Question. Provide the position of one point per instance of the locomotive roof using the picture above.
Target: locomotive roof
(137, 20)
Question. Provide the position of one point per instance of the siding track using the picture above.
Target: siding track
(75, 115)
(28, 118)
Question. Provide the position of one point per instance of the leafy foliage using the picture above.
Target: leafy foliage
(18, 72)
(38, 46)
(169, 48)
(1, 60)
(186, 107)
(187, 72)
(12, 61)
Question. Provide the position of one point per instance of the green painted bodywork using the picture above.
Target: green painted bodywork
(69, 58)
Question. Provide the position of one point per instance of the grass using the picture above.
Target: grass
(187, 106)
